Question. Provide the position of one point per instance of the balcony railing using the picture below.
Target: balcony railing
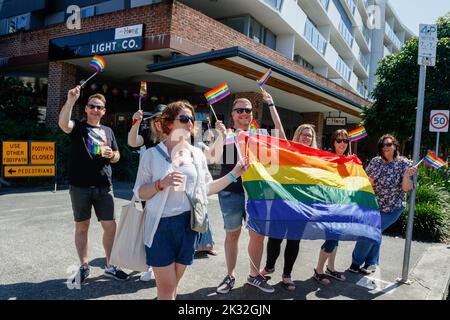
(346, 34)
(364, 61)
(343, 69)
(276, 4)
(362, 89)
(325, 4)
(391, 34)
(366, 34)
(351, 5)
(315, 37)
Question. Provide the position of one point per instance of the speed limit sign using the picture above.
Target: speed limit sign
(439, 120)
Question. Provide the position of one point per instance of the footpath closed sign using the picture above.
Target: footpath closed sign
(15, 152)
(28, 171)
(42, 152)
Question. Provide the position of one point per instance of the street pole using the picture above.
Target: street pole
(437, 144)
(416, 155)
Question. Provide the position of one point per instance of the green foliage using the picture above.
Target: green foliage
(126, 168)
(432, 209)
(395, 95)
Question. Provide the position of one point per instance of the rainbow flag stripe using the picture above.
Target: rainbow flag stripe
(297, 192)
(98, 63)
(261, 81)
(434, 161)
(253, 126)
(143, 90)
(357, 134)
(217, 93)
(230, 138)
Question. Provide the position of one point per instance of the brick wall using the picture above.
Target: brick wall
(61, 77)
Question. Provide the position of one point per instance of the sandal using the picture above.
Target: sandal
(288, 283)
(321, 278)
(212, 252)
(337, 275)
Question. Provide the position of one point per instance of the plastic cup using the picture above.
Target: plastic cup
(182, 186)
(104, 150)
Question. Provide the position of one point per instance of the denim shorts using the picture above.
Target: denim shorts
(174, 241)
(232, 205)
(329, 245)
(83, 198)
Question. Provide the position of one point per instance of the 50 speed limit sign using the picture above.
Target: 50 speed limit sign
(439, 120)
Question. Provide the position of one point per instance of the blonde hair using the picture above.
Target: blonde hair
(299, 131)
(244, 100)
(98, 96)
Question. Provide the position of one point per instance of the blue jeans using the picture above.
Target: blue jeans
(368, 251)
(232, 205)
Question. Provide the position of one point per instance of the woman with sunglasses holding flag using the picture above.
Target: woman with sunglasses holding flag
(170, 177)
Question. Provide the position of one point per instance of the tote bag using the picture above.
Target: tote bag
(128, 250)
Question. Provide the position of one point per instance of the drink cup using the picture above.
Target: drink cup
(182, 186)
(104, 149)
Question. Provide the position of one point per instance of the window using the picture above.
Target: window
(238, 23)
(270, 39)
(301, 61)
(256, 31)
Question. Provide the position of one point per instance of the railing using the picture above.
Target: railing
(315, 37)
(352, 5)
(364, 61)
(343, 69)
(391, 34)
(365, 34)
(386, 51)
(346, 34)
(276, 4)
(362, 89)
(325, 4)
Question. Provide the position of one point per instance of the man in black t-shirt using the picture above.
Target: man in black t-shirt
(93, 149)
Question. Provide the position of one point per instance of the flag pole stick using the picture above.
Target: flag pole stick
(214, 113)
(417, 165)
(84, 83)
(140, 98)
(350, 147)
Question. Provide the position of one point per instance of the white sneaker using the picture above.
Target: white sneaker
(146, 276)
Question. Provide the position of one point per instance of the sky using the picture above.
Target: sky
(414, 12)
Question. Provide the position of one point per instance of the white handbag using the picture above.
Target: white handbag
(128, 250)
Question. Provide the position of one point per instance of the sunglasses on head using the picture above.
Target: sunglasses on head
(185, 119)
(93, 106)
(389, 144)
(339, 140)
(242, 110)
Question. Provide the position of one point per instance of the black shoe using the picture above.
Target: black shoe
(226, 285)
(354, 268)
(368, 268)
(83, 273)
(116, 273)
(261, 283)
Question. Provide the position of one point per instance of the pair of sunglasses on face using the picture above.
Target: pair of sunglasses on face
(242, 110)
(389, 144)
(339, 140)
(185, 119)
(93, 106)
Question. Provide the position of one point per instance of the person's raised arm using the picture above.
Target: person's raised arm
(221, 183)
(64, 121)
(134, 139)
(274, 113)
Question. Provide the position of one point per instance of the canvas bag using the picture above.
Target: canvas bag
(128, 250)
(199, 220)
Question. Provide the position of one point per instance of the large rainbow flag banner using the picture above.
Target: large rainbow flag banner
(357, 134)
(297, 192)
(218, 93)
(434, 161)
(98, 63)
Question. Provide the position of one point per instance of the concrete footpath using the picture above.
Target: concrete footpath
(38, 255)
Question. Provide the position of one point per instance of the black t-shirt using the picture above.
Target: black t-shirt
(87, 167)
(145, 134)
(229, 160)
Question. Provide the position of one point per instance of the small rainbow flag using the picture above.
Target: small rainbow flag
(264, 78)
(217, 93)
(98, 63)
(253, 126)
(357, 134)
(143, 90)
(229, 139)
(434, 161)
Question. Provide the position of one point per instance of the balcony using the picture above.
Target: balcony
(325, 4)
(315, 37)
(352, 5)
(346, 34)
(393, 37)
(364, 61)
(362, 89)
(276, 4)
(366, 35)
(344, 70)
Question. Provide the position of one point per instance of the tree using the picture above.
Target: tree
(395, 95)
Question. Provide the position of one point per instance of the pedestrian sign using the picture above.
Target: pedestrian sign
(15, 152)
(28, 171)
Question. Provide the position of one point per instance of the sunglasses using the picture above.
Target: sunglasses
(338, 140)
(242, 110)
(185, 119)
(389, 144)
(93, 106)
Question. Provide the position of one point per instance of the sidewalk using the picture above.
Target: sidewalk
(38, 252)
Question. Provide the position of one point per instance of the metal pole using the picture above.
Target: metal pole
(416, 155)
(437, 144)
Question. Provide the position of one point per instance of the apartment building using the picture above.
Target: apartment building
(320, 51)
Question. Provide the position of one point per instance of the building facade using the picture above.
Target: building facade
(319, 51)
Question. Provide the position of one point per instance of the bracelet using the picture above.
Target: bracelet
(158, 186)
(231, 177)
(271, 105)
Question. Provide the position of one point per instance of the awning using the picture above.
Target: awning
(240, 68)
